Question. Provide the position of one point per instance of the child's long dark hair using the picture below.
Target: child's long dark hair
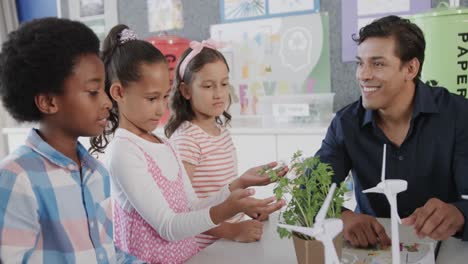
(122, 62)
(181, 108)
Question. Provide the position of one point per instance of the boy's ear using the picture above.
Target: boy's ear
(116, 91)
(46, 103)
(185, 91)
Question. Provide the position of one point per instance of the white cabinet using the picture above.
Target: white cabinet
(287, 145)
(259, 146)
(254, 147)
(15, 137)
(254, 150)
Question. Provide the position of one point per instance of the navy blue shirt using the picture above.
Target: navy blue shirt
(433, 158)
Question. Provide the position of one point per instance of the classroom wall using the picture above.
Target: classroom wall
(200, 14)
(31, 9)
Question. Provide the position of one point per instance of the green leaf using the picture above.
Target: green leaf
(308, 191)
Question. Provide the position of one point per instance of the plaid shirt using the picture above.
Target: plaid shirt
(49, 213)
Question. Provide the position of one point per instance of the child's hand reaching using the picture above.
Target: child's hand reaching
(247, 231)
(262, 213)
(257, 176)
(240, 201)
(258, 216)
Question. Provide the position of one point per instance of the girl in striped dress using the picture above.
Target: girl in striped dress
(197, 128)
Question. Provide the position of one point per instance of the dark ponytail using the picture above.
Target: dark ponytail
(122, 62)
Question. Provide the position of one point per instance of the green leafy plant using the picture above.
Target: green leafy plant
(308, 190)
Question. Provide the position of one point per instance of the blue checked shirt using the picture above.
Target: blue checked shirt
(51, 214)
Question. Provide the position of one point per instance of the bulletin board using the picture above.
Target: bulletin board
(278, 56)
(241, 10)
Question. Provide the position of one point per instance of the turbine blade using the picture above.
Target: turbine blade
(330, 251)
(384, 161)
(393, 205)
(374, 190)
(308, 231)
(326, 204)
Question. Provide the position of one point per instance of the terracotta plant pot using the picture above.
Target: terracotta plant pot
(311, 251)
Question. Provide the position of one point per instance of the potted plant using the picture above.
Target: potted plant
(307, 188)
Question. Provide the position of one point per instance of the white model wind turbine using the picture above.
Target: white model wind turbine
(391, 188)
(324, 230)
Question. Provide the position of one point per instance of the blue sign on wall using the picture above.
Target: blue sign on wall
(31, 9)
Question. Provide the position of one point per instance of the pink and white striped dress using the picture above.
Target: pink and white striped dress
(215, 161)
(134, 235)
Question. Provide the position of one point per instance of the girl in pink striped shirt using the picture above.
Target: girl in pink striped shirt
(196, 127)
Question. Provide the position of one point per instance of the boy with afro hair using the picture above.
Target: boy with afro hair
(54, 196)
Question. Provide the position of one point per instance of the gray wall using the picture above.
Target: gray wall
(200, 14)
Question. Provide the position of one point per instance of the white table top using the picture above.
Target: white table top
(272, 249)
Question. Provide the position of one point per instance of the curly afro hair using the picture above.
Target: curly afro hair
(37, 59)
